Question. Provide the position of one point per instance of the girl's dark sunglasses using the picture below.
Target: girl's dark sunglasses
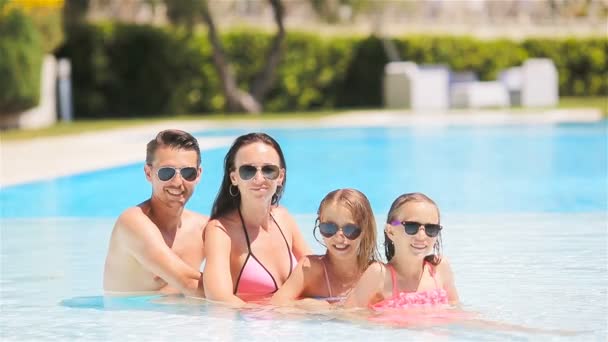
(167, 173)
(329, 229)
(270, 172)
(412, 227)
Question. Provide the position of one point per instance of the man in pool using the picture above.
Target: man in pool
(157, 246)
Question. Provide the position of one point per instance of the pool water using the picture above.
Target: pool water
(499, 169)
(524, 210)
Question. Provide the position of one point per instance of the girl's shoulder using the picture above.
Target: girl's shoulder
(312, 265)
(442, 267)
(373, 279)
(313, 261)
(443, 271)
(376, 268)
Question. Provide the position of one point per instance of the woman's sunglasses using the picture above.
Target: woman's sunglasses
(167, 173)
(270, 172)
(329, 229)
(412, 227)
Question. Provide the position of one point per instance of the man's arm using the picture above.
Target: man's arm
(146, 244)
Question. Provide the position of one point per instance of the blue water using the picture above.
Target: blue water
(524, 211)
(512, 169)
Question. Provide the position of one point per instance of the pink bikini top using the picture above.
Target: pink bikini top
(407, 300)
(254, 279)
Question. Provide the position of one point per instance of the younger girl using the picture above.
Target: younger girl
(415, 276)
(346, 222)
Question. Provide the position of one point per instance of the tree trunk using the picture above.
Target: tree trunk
(237, 99)
(265, 79)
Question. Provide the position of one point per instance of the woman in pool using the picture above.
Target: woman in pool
(416, 275)
(252, 244)
(346, 222)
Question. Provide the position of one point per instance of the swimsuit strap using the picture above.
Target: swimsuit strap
(286, 243)
(249, 254)
(326, 277)
(394, 280)
(245, 230)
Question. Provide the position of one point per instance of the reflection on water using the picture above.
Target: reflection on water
(542, 271)
(442, 322)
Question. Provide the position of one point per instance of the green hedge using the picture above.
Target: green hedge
(21, 54)
(128, 70)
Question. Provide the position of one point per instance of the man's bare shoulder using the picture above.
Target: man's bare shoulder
(130, 214)
(132, 219)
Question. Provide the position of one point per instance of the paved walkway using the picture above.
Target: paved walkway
(47, 158)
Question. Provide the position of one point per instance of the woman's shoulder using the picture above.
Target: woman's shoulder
(280, 211)
(225, 223)
(283, 217)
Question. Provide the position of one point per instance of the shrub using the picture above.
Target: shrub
(20, 62)
(128, 70)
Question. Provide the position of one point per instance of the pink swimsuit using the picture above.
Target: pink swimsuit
(332, 299)
(255, 280)
(407, 300)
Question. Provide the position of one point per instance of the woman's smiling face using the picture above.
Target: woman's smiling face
(257, 154)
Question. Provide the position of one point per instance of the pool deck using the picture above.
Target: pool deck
(47, 158)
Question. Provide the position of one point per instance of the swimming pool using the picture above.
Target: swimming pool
(524, 209)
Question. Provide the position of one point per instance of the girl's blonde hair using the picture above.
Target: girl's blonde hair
(358, 205)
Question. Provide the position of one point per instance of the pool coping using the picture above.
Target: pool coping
(46, 158)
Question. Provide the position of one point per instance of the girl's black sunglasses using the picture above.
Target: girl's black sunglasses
(329, 229)
(412, 227)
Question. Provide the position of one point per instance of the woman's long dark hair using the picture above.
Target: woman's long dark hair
(224, 202)
(389, 247)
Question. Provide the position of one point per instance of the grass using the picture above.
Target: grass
(599, 102)
(90, 125)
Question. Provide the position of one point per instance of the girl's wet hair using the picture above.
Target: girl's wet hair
(358, 205)
(224, 202)
(389, 246)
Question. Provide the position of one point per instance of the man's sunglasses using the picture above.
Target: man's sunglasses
(270, 172)
(412, 227)
(329, 229)
(167, 173)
